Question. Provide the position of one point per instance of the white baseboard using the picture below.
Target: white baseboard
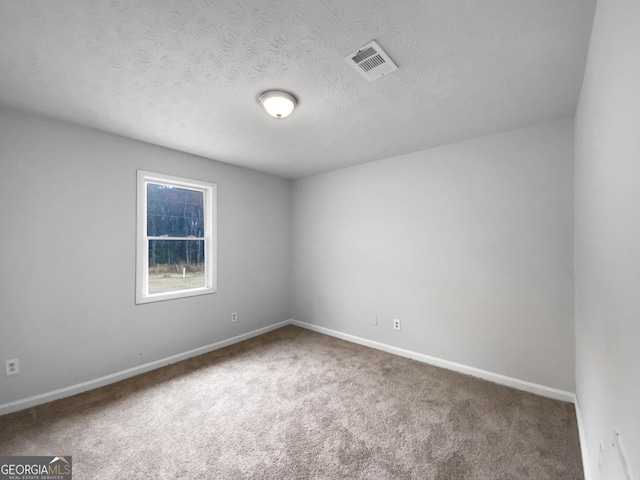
(586, 466)
(115, 377)
(545, 391)
(542, 390)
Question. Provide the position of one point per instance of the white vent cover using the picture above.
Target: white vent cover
(371, 61)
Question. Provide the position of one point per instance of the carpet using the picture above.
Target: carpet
(295, 404)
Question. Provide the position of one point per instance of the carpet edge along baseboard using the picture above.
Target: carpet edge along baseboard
(50, 396)
(516, 383)
(538, 389)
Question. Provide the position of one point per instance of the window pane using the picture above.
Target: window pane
(176, 265)
(174, 211)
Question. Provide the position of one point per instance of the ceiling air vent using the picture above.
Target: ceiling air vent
(371, 61)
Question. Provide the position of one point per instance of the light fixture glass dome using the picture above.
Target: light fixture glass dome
(277, 103)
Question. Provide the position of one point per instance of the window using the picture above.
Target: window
(176, 254)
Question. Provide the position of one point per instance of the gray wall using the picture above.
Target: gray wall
(469, 245)
(67, 304)
(607, 230)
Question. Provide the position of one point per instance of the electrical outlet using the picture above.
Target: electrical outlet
(374, 320)
(396, 324)
(12, 367)
(234, 317)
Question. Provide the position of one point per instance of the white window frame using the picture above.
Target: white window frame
(142, 245)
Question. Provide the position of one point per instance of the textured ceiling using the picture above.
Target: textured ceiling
(186, 74)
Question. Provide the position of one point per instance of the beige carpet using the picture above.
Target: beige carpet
(294, 404)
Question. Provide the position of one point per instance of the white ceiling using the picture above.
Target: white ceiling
(186, 74)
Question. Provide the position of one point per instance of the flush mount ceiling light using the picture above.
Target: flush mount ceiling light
(277, 103)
